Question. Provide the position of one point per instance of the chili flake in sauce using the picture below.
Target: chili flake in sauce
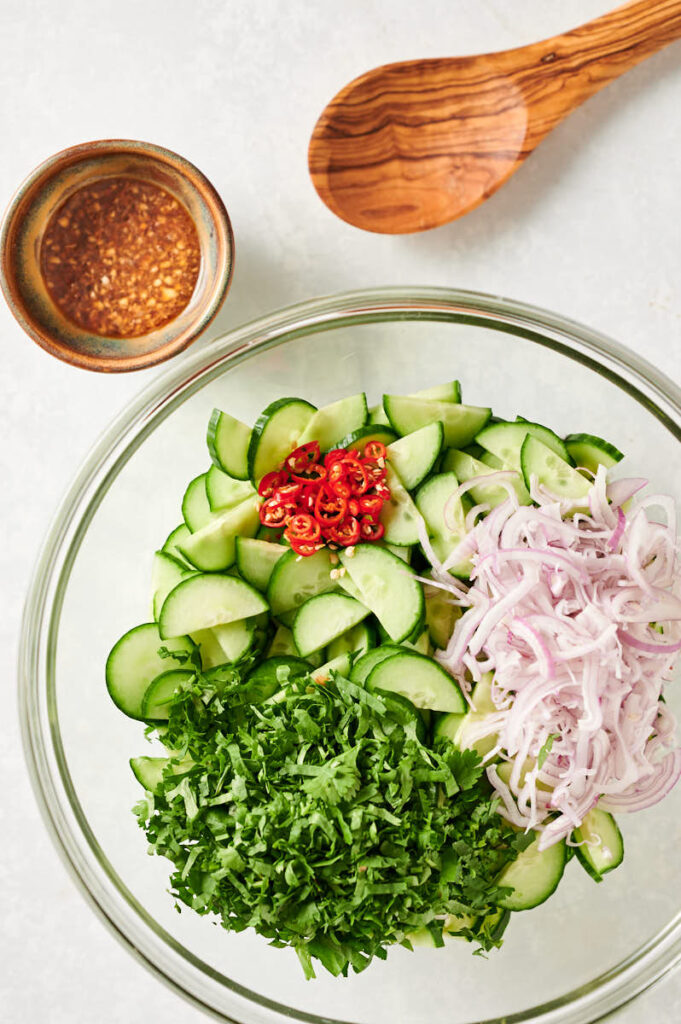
(120, 257)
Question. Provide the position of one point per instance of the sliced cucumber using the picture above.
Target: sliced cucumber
(212, 654)
(134, 662)
(364, 665)
(550, 471)
(377, 417)
(461, 423)
(505, 440)
(161, 691)
(357, 641)
(228, 440)
(213, 547)
(494, 462)
(166, 572)
(465, 468)
(339, 664)
(399, 515)
(444, 517)
(149, 771)
(421, 644)
(534, 876)
(204, 601)
(388, 587)
(275, 435)
(589, 452)
(409, 717)
(324, 617)
(256, 560)
(270, 675)
(401, 551)
(450, 391)
(441, 616)
(420, 679)
(175, 537)
(224, 491)
(414, 455)
(295, 579)
(482, 706)
(447, 726)
(235, 638)
(332, 423)
(357, 440)
(195, 508)
(282, 643)
(603, 846)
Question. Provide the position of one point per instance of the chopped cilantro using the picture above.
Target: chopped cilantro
(322, 822)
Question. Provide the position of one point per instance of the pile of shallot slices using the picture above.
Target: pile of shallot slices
(578, 615)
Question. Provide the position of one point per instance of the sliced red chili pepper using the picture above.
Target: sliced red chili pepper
(346, 533)
(359, 481)
(354, 506)
(334, 456)
(302, 526)
(382, 490)
(302, 457)
(338, 480)
(314, 473)
(371, 504)
(270, 482)
(370, 529)
(373, 470)
(288, 492)
(374, 450)
(329, 508)
(305, 547)
(274, 513)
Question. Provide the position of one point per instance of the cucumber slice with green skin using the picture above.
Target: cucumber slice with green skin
(333, 422)
(465, 468)
(340, 664)
(256, 560)
(205, 601)
(446, 532)
(371, 432)
(357, 640)
(534, 876)
(295, 579)
(447, 392)
(603, 846)
(149, 772)
(228, 642)
(589, 452)
(273, 673)
(364, 665)
(441, 616)
(275, 434)
(134, 662)
(228, 440)
(550, 471)
(462, 733)
(349, 587)
(213, 547)
(224, 491)
(321, 619)
(461, 423)
(212, 654)
(414, 455)
(420, 679)
(403, 553)
(505, 440)
(388, 587)
(447, 726)
(377, 416)
(282, 643)
(161, 691)
(268, 533)
(493, 461)
(428, 937)
(175, 537)
(166, 572)
(196, 511)
(421, 645)
(399, 514)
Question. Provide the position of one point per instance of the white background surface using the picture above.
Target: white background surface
(589, 228)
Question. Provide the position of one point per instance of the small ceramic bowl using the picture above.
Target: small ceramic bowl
(28, 216)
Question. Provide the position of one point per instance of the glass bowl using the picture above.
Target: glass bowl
(589, 948)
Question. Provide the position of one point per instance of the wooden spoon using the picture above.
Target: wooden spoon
(410, 146)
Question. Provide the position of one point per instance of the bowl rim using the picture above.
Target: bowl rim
(94, 876)
(216, 291)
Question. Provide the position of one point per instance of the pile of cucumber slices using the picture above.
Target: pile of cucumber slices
(226, 590)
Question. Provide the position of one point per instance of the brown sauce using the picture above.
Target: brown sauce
(120, 257)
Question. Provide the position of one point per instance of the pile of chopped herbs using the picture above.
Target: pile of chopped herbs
(324, 823)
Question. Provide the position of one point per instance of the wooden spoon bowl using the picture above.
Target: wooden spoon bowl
(411, 146)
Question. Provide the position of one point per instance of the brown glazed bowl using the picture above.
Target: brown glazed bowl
(29, 213)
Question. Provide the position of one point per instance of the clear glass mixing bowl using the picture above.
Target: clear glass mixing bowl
(587, 950)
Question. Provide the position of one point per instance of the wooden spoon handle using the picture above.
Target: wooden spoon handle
(589, 57)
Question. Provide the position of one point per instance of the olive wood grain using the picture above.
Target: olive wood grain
(410, 146)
